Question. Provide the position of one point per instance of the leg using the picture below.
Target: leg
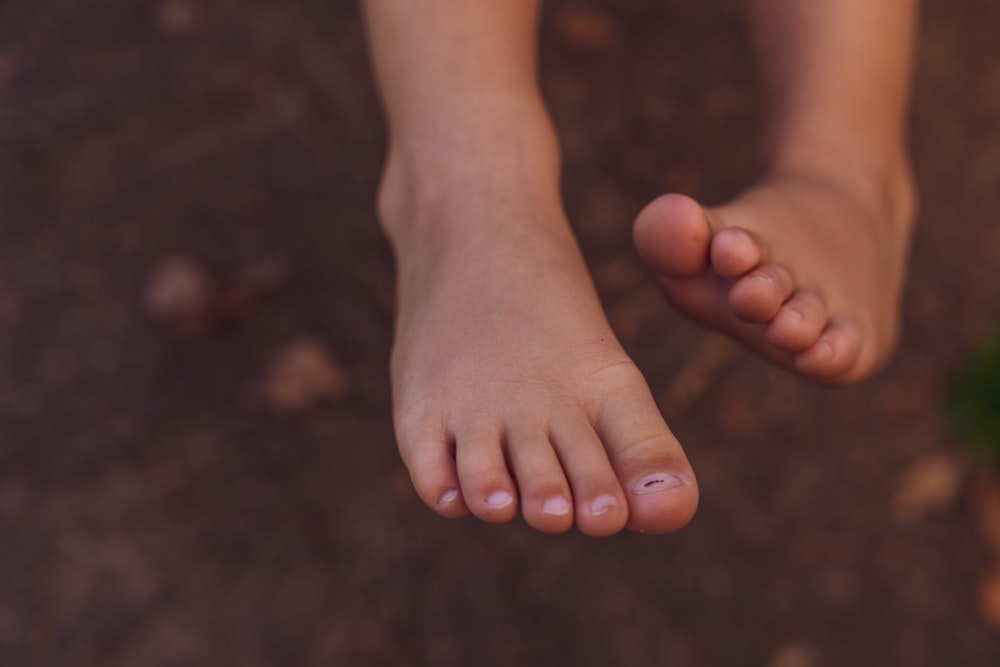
(509, 387)
(807, 266)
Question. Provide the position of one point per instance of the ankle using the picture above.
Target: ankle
(475, 141)
(458, 182)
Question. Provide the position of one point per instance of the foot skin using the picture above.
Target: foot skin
(805, 270)
(511, 391)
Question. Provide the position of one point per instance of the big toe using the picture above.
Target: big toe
(672, 235)
(650, 465)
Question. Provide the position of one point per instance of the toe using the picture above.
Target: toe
(833, 355)
(430, 461)
(757, 296)
(734, 251)
(650, 464)
(672, 235)
(798, 324)
(485, 483)
(600, 504)
(546, 501)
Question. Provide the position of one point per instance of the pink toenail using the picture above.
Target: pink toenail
(556, 506)
(448, 497)
(499, 499)
(603, 505)
(660, 481)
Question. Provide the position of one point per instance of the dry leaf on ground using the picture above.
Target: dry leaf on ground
(794, 655)
(179, 291)
(989, 597)
(178, 17)
(303, 374)
(930, 483)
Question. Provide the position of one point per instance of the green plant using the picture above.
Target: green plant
(974, 403)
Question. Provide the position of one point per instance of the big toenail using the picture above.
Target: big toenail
(447, 497)
(556, 506)
(499, 499)
(603, 505)
(659, 481)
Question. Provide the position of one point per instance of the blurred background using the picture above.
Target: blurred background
(197, 463)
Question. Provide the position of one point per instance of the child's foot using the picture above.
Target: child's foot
(805, 269)
(510, 389)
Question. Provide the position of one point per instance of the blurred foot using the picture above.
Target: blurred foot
(804, 268)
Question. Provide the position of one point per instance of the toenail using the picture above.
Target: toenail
(603, 505)
(660, 481)
(556, 506)
(447, 497)
(499, 499)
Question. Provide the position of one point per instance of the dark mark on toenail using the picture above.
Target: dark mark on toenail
(656, 483)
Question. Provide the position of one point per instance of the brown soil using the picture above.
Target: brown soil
(159, 506)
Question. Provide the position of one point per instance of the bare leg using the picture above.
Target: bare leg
(509, 387)
(807, 266)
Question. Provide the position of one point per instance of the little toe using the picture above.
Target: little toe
(601, 507)
(650, 464)
(834, 353)
(672, 235)
(486, 485)
(546, 501)
(734, 251)
(798, 324)
(430, 461)
(758, 296)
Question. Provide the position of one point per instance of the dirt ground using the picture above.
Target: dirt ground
(197, 464)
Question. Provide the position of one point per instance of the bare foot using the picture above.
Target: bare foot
(804, 268)
(509, 387)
